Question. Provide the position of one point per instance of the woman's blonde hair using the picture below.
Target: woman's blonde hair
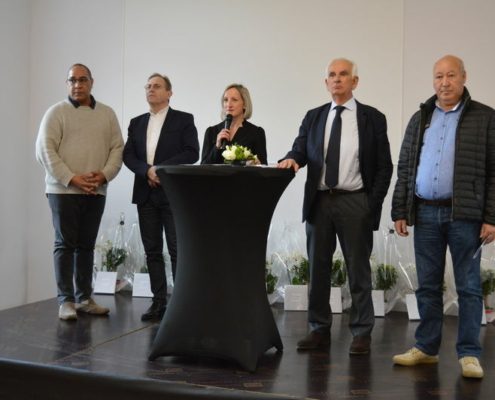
(246, 98)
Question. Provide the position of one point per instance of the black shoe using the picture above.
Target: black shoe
(155, 312)
(360, 345)
(314, 341)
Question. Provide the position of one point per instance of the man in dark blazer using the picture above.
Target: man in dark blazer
(162, 136)
(345, 146)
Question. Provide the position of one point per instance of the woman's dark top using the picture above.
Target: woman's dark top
(248, 135)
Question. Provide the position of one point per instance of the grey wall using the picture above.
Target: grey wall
(277, 48)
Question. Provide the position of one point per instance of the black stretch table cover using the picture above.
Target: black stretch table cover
(219, 307)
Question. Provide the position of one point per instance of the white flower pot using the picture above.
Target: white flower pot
(378, 297)
(336, 300)
(296, 298)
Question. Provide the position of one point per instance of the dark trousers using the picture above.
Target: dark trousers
(76, 220)
(348, 217)
(155, 216)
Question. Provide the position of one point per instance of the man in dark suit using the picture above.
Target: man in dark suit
(345, 146)
(162, 136)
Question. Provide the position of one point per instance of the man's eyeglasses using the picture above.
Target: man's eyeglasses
(82, 80)
(154, 86)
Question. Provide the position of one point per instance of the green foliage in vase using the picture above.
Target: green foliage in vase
(338, 274)
(385, 276)
(144, 269)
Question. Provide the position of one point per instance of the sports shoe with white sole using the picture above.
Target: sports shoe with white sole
(67, 311)
(91, 307)
(414, 356)
(471, 367)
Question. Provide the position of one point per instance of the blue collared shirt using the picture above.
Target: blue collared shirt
(435, 177)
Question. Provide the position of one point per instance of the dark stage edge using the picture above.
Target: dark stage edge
(42, 357)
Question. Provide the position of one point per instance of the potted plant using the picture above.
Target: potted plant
(384, 278)
(296, 294)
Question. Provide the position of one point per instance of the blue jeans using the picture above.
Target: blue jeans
(433, 232)
(76, 220)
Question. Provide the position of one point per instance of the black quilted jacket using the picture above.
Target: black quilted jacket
(474, 169)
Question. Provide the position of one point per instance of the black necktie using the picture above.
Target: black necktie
(333, 151)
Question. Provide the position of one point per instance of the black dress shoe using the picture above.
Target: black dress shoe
(360, 345)
(314, 341)
(155, 311)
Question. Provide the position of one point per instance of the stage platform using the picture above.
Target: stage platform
(39, 353)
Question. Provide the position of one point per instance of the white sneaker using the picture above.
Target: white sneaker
(67, 311)
(471, 367)
(91, 307)
(414, 356)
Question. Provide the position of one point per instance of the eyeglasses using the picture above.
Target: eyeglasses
(154, 86)
(83, 80)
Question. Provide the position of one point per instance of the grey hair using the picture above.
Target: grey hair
(354, 69)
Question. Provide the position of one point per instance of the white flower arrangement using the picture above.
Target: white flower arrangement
(236, 154)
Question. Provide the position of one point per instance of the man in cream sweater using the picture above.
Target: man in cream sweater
(80, 146)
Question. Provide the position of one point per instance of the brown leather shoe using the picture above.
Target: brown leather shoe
(360, 345)
(314, 340)
(155, 311)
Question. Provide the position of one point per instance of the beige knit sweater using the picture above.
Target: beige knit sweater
(73, 141)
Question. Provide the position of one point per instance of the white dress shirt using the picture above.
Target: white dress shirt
(155, 125)
(349, 173)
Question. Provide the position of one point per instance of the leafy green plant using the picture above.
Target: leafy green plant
(487, 281)
(338, 275)
(300, 271)
(385, 276)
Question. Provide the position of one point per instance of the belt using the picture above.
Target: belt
(341, 191)
(435, 203)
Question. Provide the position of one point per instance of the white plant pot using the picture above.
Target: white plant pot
(141, 286)
(105, 282)
(412, 307)
(296, 298)
(378, 298)
(336, 300)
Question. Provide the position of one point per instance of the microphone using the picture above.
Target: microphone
(227, 123)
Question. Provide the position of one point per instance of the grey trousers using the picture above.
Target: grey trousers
(348, 218)
(76, 220)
